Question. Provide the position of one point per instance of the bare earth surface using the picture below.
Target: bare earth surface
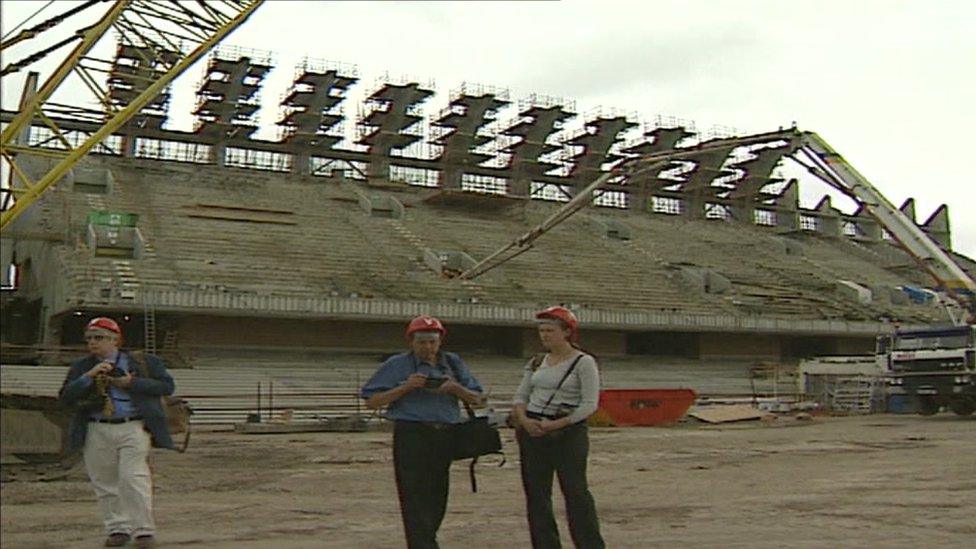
(874, 481)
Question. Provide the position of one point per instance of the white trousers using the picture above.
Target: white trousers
(117, 460)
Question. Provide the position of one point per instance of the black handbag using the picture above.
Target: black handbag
(475, 438)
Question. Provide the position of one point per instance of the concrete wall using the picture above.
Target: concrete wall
(506, 341)
(228, 332)
(604, 343)
(197, 332)
(854, 346)
(741, 346)
(530, 341)
(797, 348)
(203, 331)
(663, 344)
(600, 342)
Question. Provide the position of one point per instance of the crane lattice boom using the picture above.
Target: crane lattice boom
(164, 38)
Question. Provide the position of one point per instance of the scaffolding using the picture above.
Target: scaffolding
(774, 382)
(229, 92)
(851, 394)
(324, 117)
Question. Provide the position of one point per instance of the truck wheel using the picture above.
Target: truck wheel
(927, 405)
(962, 406)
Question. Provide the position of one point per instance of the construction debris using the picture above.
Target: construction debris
(727, 414)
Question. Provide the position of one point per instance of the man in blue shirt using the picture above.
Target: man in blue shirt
(420, 389)
(116, 418)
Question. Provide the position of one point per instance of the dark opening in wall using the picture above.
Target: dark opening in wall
(505, 341)
(21, 320)
(805, 347)
(89, 188)
(133, 327)
(675, 344)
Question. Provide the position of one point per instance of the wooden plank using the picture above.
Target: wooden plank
(726, 414)
(240, 219)
(243, 208)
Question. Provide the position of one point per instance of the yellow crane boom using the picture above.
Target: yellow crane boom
(170, 36)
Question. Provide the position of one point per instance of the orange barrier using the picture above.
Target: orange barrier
(626, 407)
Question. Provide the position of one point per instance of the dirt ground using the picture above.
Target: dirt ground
(883, 480)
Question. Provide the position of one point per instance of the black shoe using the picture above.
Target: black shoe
(117, 539)
(145, 541)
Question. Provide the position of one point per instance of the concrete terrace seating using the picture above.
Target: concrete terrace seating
(308, 237)
(575, 257)
(707, 244)
(328, 247)
(757, 265)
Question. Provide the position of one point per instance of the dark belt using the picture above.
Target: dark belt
(535, 415)
(430, 424)
(115, 420)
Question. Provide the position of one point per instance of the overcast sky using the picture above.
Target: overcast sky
(889, 84)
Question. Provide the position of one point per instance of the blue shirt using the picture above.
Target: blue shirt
(120, 397)
(421, 404)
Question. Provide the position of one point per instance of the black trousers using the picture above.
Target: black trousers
(563, 453)
(422, 463)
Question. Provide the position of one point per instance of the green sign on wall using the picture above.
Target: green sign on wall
(112, 219)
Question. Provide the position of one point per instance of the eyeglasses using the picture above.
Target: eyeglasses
(96, 338)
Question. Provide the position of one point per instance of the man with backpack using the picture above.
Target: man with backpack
(116, 418)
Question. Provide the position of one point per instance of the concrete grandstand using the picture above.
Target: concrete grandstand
(223, 252)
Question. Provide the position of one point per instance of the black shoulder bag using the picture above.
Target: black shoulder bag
(474, 438)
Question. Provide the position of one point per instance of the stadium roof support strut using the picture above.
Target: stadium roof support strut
(170, 37)
(627, 168)
(827, 164)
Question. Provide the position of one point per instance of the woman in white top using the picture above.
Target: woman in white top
(558, 392)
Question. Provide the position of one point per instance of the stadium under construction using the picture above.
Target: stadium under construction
(304, 256)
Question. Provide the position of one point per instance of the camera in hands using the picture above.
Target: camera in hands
(434, 382)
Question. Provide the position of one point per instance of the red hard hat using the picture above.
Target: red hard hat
(425, 323)
(104, 323)
(563, 315)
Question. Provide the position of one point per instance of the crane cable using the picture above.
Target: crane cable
(14, 67)
(25, 21)
(48, 24)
